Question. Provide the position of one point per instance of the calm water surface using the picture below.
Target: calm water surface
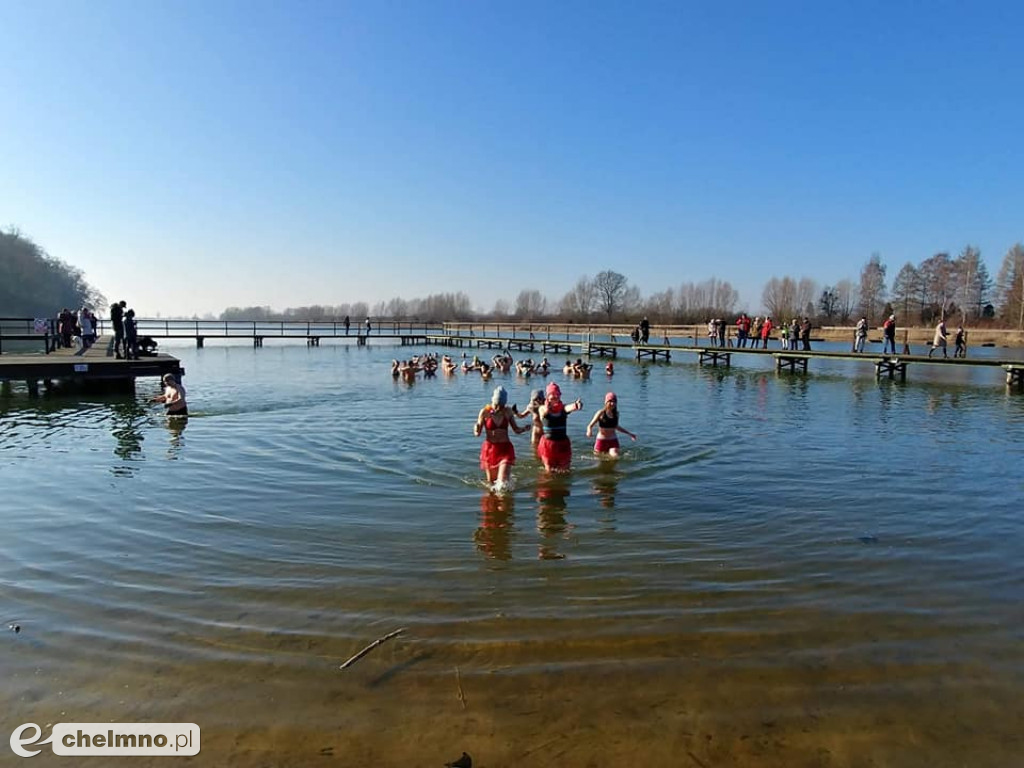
(783, 570)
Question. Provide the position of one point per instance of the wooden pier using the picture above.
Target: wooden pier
(94, 368)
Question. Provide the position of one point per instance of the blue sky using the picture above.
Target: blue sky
(190, 156)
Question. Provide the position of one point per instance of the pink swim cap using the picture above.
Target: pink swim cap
(610, 397)
(553, 390)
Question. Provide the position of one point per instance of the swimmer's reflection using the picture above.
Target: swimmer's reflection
(552, 493)
(606, 483)
(176, 426)
(493, 537)
(128, 419)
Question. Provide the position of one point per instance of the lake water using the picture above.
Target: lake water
(785, 570)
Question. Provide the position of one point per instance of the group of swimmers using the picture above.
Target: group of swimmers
(549, 436)
(407, 369)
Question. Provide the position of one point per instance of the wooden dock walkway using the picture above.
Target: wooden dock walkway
(96, 367)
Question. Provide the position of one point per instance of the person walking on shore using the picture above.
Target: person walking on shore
(940, 339)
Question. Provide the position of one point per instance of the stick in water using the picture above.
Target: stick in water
(371, 646)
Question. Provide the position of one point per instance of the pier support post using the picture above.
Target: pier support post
(5, 388)
(33, 387)
(199, 342)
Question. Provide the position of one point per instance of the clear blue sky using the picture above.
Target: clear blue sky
(191, 155)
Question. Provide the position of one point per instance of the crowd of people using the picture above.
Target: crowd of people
(545, 416)
(81, 329)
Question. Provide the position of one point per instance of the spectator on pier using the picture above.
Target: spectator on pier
(794, 334)
(607, 421)
(941, 334)
(86, 328)
(635, 335)
(117, 322)
(555, 449)
(742, 329)
(497, 454)
(66, 326)
(645, 330)
(720, 325)
(131, 336)
(755, 337)
(347, 324)
(961, 343)
(860, 335)
(805, 334)
(889, 334)
(173, 396)
(766, 331)
(368, 327)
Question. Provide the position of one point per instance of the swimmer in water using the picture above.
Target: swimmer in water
(607, 421)
(173, 397)
(536, 401)
(554, 449)
(497, 454)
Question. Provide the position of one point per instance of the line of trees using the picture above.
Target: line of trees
(35, 284)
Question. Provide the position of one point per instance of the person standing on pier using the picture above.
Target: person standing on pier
(347, 324)
(131, 336)
(645, 330)
(941, 334)
(766, 331)
(368, 325)
(117, 321)
(805, 334)
(889, 334)
(860, 335)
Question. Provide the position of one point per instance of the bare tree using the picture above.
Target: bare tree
(1010, 287)
(872, 287)
(972, 283)
(780, 297)
(846, 299)
(939, 279)
(530, 305)
(906, 291)
(501, 309)
(611, 290)
(580, 300)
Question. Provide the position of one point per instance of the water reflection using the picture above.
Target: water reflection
(128, 418)
(606, 482)
(552, 495)
(493, 536)
(176, 427)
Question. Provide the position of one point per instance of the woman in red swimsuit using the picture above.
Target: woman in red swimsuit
(554, 449)
(607, 421)
(497, 453)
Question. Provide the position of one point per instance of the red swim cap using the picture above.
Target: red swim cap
(553, 390)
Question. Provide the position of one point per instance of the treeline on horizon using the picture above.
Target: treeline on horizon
(35, 284)
(941, 286)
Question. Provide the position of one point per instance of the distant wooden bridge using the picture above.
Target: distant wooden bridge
(567, 340)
